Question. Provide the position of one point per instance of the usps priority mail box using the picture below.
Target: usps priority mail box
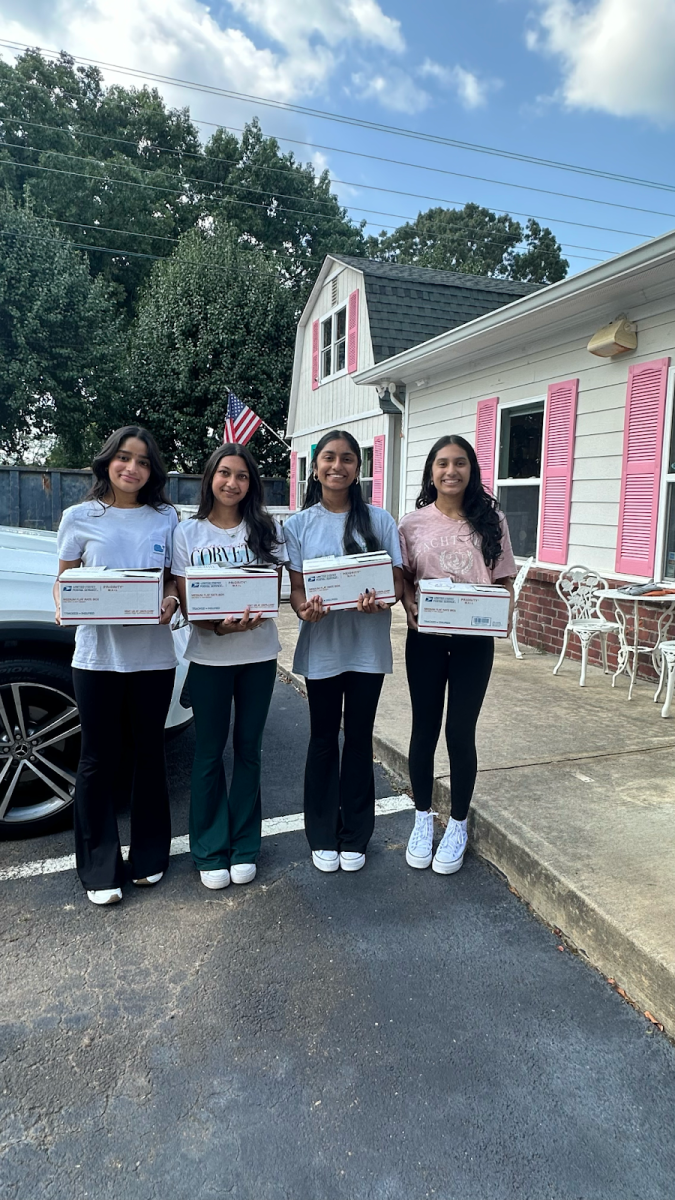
(227, 591)
(97, 596)
(462, 608)
(340, 579)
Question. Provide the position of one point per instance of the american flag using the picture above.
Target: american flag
(241, 422)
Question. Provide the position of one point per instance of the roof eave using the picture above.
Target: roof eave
(658, 250)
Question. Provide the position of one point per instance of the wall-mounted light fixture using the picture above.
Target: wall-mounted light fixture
(614, 339)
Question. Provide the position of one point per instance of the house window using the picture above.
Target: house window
(333, 343)
(519, 473)
(301, 484)
(367, 473)
(669, 550)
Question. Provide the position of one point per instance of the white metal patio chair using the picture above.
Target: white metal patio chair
(582, 591)
(517, 589)
(666, 652)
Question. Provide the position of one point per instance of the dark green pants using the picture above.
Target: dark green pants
(225, 829)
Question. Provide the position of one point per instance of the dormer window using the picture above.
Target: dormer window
(334, 343)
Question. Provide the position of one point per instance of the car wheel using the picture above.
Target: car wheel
(39, 744)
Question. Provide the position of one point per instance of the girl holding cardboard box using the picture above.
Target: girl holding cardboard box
(456, 532)
(343, 655)
(123, 675)
(231, 661)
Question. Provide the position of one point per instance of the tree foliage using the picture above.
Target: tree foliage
(215, 316)
(476, 241)
(61, 343)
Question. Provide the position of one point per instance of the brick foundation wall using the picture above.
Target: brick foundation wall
(543, 616)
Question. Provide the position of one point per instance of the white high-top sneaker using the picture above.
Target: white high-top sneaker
(450, 853)
(421, 841)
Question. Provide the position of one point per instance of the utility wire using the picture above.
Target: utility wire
(82, 134)
(341, 118)
(188, 182)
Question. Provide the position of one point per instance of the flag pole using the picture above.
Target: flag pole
(267, 427)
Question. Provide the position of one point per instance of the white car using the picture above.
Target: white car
(39, 721)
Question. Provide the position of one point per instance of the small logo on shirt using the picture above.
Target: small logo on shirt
(157, 548)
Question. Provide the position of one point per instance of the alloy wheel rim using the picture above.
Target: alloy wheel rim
(39, 750)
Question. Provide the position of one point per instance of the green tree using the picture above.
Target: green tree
(217, 315)
(61, 345)
(475, 241)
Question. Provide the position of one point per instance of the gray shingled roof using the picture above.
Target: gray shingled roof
(408, 305)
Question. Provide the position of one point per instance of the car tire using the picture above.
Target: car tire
(39, 746)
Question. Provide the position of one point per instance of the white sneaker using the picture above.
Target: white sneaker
(351, 860)
(148, 880)
(326, 860)
(242, 872)
(215, 879)
(450, 853)
(420, 849)
(106, 896)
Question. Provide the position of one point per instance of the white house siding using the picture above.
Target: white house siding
(524, 373)
(338, 403)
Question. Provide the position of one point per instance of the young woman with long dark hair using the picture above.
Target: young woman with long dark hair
(456, 532)
(123, 676)
(344, 656)
(231, 661)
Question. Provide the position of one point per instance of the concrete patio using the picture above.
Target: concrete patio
(574, 804)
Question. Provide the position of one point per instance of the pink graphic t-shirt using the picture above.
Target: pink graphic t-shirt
(434, 546)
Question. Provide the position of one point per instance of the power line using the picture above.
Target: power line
(188, 182)
(340, 118)
(209, 158)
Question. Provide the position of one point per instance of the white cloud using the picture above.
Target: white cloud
(181, 38)
(394, 90)
(471, 91)
(617, 56)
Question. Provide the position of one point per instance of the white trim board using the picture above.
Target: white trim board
(181, 845)
(340, 424)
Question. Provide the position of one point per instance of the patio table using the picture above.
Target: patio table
(630, 644)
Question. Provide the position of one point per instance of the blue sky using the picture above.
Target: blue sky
(590, 84)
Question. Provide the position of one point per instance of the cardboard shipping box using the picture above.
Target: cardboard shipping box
(217, 591)
(465, 608)
(340, 580)
(98, 596)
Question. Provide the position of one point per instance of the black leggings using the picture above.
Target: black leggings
(116, 707)
(463, 665)
(340, 798)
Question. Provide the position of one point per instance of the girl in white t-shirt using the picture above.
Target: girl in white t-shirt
(456, 532)
(123, 676)
(230, 661)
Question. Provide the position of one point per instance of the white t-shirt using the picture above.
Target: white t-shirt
(200, 543)
(131, 538)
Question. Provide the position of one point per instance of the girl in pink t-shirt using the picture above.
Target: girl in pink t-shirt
(456, 532)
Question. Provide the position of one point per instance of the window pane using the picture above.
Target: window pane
(367, 490)
(325, 365)
(326, 338)
(340, 323)
(669, 557)
(671, 460)
(520, 506)
(302, 468)
(520, 446)
(367, 462)
(340, 356)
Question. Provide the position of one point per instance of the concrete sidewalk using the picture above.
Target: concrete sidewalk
(574, 804)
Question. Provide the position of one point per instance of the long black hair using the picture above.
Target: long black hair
(358, 519)
(152, 493)
(480, 508)
(262, 535)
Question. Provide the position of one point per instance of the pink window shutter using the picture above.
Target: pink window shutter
(641, 473)
(353, 331)
(486, 433)
(378, 470)
(293, 485)
(315, 355)
(556, 471)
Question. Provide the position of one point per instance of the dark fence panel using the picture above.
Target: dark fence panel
(33, 498)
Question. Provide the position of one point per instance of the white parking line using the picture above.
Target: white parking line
(181, 845)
